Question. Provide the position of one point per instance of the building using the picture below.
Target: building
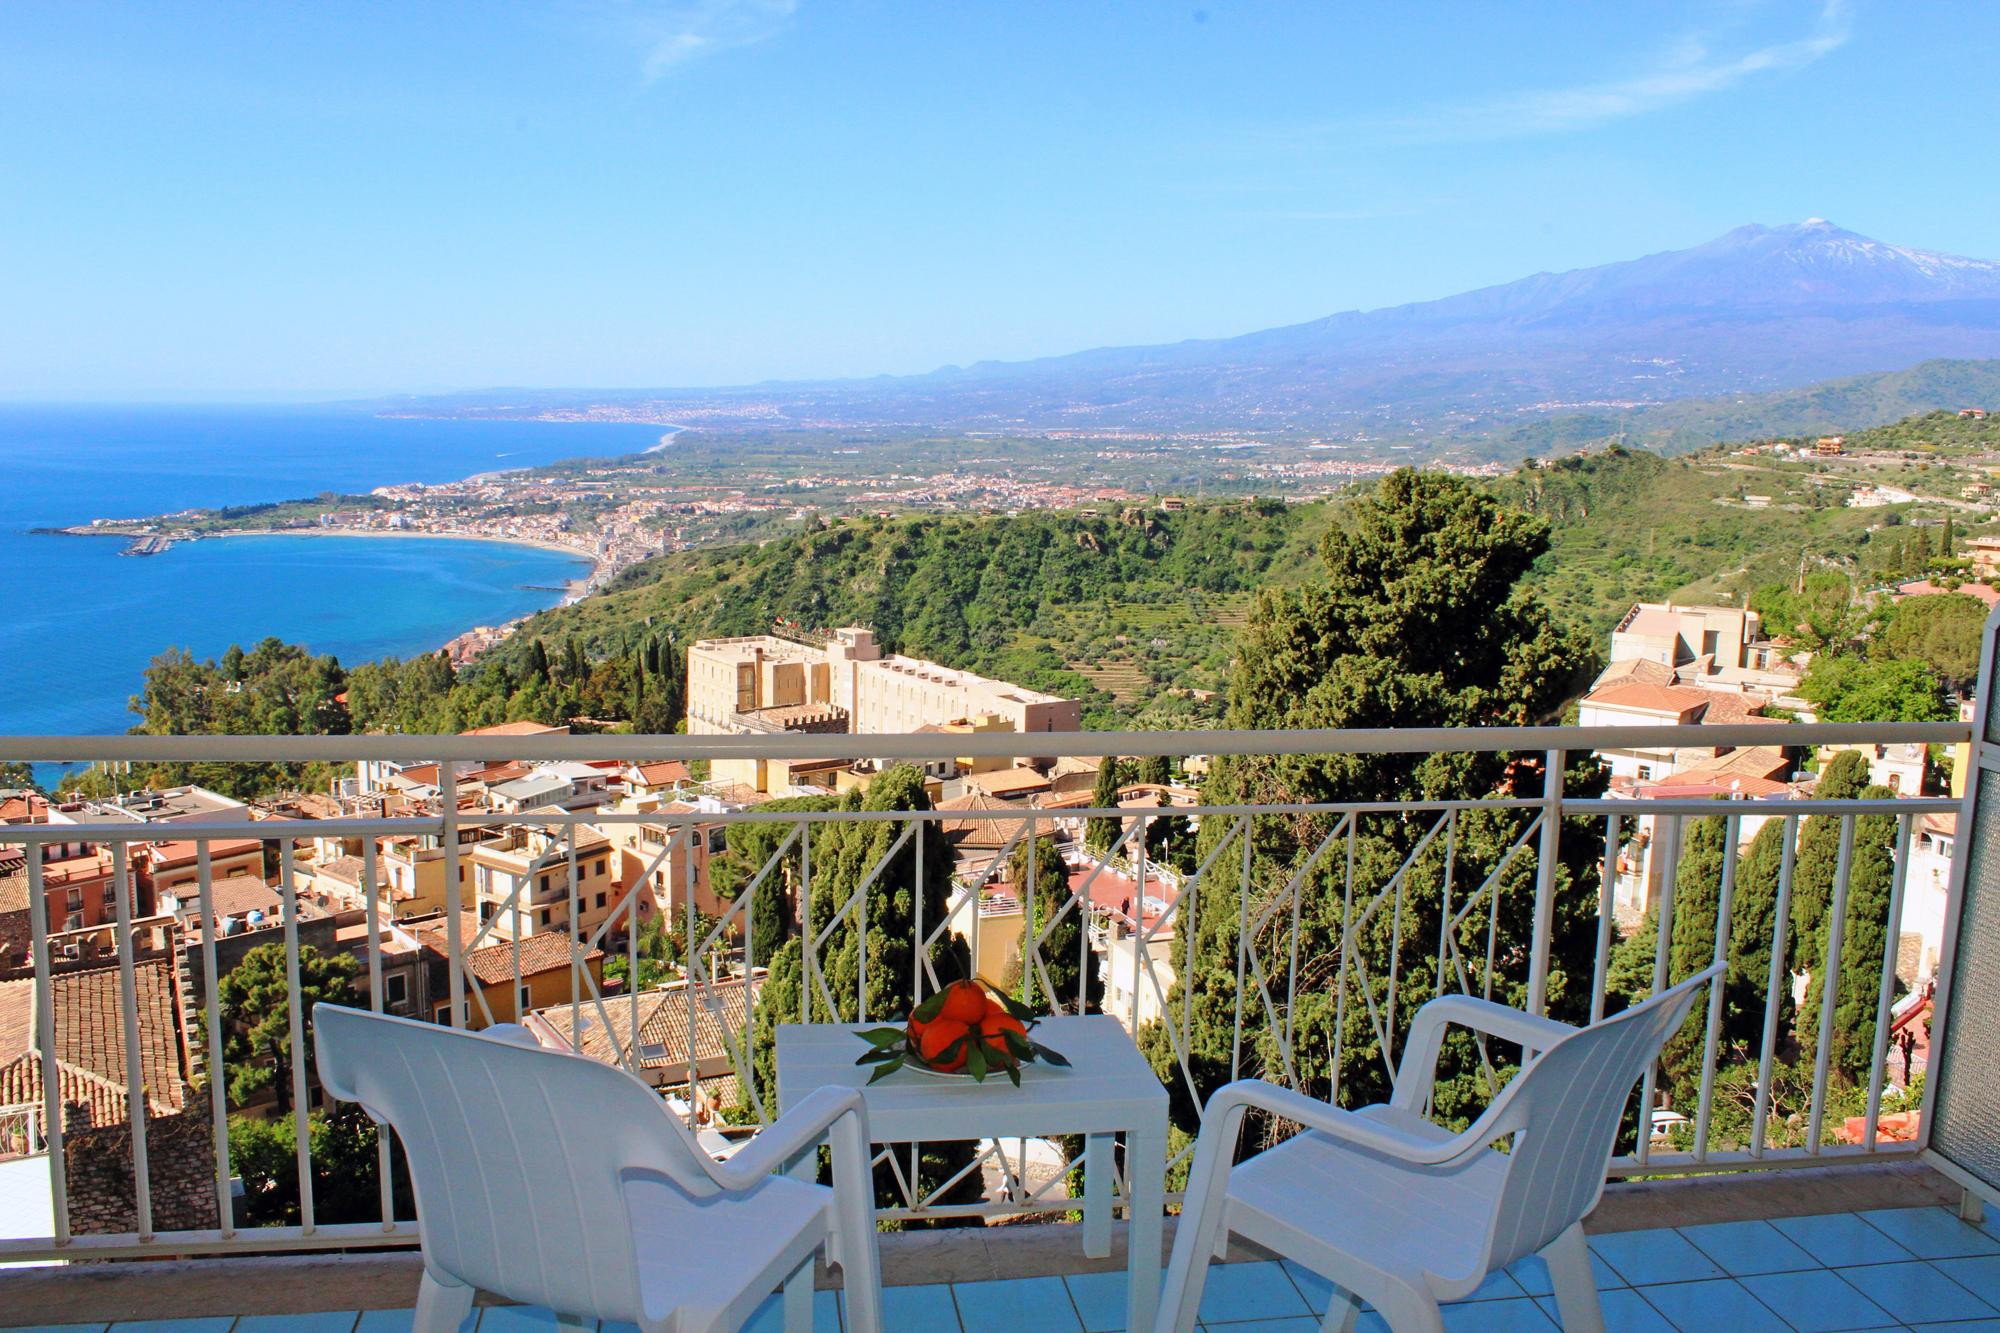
(521, 881)
(513, 978)
(1676, 636)
(1984, 552)
(845, 684)
(1639, 703)
(720, 1011)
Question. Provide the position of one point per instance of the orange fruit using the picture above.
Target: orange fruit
(994, 1005)
(993, 1031)
(965, 1002)
(938, 1035)
(915, 1030)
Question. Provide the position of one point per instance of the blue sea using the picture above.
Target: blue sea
(81, 622)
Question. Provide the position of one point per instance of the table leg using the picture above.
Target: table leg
(799, 1286)
(1145, 1173)
(1100, 1191)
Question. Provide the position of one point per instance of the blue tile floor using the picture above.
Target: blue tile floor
(1917, 1269)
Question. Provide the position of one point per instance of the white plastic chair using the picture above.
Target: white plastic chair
(552, 1179)
(1402, 1214)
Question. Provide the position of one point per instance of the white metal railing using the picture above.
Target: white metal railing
(1363, 981)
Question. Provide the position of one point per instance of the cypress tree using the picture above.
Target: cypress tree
(1864, 936)
(1697, 898)
(1818, 859)
(538, 661)
(1101, 832)
(1073, 978)
(1751, 923)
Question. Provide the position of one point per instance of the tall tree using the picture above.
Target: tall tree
(1943, 631)
(1705, 851)
(1100, 833)
(1751, 926)
(1070, 972)
(1420, 619)
(1818, 858)
(1864, 936)
(257, 1015)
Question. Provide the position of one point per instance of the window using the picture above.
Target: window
(718, 840)
(396, 988)
(1645, 772)
(598, 869)
(526, 998)
(76, 900)
(441, 1015)
(600, 902)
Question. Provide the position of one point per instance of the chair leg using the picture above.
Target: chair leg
(440, 1308)
(1407, 1310)
(1187, 1268)
(1568, 1258)
(1342, 1309)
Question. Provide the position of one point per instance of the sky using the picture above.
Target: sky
(288, 201)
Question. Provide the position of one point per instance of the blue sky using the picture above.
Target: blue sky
(282, 201)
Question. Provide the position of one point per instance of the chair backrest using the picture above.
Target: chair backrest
(1562, 1115)
(515, 1153)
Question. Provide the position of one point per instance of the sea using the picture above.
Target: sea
(79, 622)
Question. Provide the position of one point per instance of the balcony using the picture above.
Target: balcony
(1785, 1172)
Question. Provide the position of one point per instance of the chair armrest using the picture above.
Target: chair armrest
(1417, 1071)
(806, 1125)
(1224, 1113)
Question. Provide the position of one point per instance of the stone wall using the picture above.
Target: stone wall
(180, 1165)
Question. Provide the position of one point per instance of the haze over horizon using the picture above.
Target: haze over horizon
(305, 205)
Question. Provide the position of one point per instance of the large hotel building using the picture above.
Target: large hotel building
(762, 683)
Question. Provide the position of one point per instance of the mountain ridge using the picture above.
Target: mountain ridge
(1758, 309)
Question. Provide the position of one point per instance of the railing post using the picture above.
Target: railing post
(454, 890)
(1546, 861)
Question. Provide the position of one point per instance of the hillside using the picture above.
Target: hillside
(1130, 610)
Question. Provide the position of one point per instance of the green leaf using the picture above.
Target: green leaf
(1019, 1010)
(1014, 1073)
(1052, 1057)
(975, 1061)
(1019, 1046)
(877, 1057)
(883, 1036)
(929, 1009)
(887, 1069)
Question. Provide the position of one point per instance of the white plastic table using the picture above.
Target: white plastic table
(1108, 1089)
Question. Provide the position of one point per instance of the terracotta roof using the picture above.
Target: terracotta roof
(979, 832)
(235, 895)
(1752, 761)
(493, 964)
(1672, 699)
(1925, 588)
(1008, 781)
(1643, 670)
(23, 808)
(663, 774)
(1728, 709)
(518, 729)
(90, 1040)
(663, 1024)
(346, 869)
(184, 851)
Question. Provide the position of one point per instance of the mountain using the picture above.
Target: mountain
(1758, 310)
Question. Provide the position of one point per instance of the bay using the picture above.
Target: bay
(81, 621)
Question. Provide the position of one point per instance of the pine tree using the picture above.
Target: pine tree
(1818, 858)
(1420, 619)
(538, 661)
(1864, 936)
(1155, 770)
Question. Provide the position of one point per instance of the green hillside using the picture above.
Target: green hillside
(1851, 404)
(1131, 610)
